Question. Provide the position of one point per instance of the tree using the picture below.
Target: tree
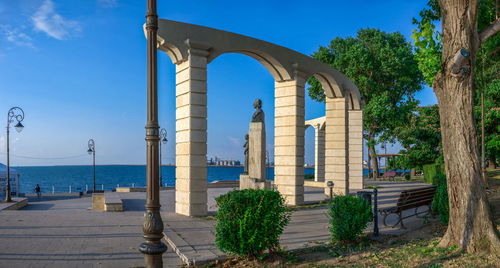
(383, 68)
(487, 82)
(471, 226)
(486, 79)
(420, 137)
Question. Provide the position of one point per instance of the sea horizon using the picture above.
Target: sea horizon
(63, 178)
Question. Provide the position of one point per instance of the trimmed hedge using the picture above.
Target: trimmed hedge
(440, 204)
(250, 221)
(431, 170)
(349, 216)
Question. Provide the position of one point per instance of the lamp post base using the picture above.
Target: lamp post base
(152, 248)
(153, 254)
(153, 261)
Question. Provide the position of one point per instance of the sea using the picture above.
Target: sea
(59, 179)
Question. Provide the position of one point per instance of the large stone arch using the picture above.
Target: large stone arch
(191, 48)
(177, 38)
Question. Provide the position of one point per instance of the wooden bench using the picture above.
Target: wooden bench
(389, 174)
(408, 199)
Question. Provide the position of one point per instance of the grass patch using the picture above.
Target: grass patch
(374, 186)
(207, 218)
(415, 249)
(308, 206)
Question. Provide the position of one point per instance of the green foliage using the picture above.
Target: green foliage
(420, 137)
(250, 221)
(407, 177)
(487, 81)
(383, 68)
(440, 204)
(428, 46)
(309, 177)
(427, 41)
(349, 216)
(431, 170)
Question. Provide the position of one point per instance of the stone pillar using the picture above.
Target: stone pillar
(257, 151)
(319, 154)
(336, 145)
(289, 140)
(191, 135)
(355, 149)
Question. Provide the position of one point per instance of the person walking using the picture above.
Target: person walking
(38, 191)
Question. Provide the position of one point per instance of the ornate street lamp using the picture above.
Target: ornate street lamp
(18, 114)
(91, 151)
(163, 139)
(152, 228)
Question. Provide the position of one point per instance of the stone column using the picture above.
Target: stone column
(191, 135)
(289, 140)
(336, 145)
(319, 154)
(355, 149)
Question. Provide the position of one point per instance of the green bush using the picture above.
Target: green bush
(250, 221)
(309, 177)
(407, 177)
(440, 204)
(349, 216)
(431, 170)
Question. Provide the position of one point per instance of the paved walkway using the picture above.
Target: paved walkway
(62, 232)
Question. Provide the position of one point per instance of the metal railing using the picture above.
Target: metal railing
(75, 188)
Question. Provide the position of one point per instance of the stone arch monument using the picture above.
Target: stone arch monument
(191, 48)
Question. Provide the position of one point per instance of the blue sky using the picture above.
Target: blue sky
(77, 68)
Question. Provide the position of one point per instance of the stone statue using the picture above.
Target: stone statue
(245, 170)
(258, 115)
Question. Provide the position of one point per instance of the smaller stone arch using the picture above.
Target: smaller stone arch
(319, 146)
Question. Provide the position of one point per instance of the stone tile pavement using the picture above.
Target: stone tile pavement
(63, 233)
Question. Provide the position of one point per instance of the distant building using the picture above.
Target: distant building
(223, 162)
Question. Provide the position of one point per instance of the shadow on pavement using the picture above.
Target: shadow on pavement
(133, 204)
(38, 206)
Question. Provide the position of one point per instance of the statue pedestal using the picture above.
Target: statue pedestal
(249, 183)
(257, 151)
(256, 177)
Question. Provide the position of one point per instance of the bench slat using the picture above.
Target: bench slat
(414, 198)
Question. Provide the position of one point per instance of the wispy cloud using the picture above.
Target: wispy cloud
(47, 20)
(108, 3)
(16, 36)
(234, 141)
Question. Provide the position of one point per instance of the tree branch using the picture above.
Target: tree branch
(489, 31)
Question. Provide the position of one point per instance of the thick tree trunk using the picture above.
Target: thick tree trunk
(373, 156)
(471, 226)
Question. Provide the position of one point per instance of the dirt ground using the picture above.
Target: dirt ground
(414, 249)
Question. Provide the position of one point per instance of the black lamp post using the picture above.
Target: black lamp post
(91, 151)
(163, 139)
(18, 114)
(330, 185)
(152, 248)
